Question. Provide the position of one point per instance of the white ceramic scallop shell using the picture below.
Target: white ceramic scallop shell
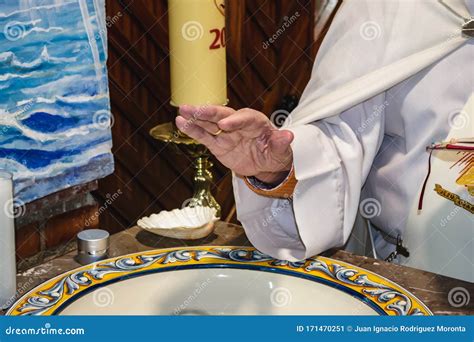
(187, 223)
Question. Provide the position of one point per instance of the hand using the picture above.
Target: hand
(249, 144)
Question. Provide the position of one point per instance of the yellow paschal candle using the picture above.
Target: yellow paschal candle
(197, 52)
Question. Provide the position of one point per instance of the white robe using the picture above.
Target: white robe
(387, 78)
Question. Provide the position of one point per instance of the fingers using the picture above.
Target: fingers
(280, 142)
(194, 131)
(205, 117)
(246, 120)
(210, 127)
(205, 113)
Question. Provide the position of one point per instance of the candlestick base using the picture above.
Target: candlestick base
(203, 176)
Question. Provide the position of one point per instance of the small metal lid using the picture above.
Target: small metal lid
(92, 241)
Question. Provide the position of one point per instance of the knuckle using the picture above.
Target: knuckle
(245, 110)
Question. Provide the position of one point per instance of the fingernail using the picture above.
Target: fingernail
(289, 136)
(180, 122)
(186, 108)
(183, 109)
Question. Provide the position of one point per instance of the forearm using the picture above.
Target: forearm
(330, 161)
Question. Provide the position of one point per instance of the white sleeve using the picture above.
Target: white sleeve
(332, 158)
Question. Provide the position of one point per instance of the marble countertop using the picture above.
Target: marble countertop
(432, 289)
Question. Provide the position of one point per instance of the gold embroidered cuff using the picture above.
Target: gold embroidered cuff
(284, 190)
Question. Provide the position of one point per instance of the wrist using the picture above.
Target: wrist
(272, 178)
(284, 189)
(277, 176)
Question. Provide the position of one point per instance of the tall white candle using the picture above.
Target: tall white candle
(197, 52)
(7, 241)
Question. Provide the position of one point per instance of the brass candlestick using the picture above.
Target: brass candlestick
(197, 77)
(203, 177)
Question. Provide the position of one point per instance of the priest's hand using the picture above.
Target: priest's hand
(243, 140)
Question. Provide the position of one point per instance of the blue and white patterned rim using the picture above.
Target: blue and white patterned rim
(382, 295)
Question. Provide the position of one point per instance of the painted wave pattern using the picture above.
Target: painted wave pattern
(54, 103)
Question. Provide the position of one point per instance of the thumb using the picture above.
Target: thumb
(280, 141)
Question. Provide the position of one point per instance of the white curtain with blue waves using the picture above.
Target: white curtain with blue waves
(54, 102)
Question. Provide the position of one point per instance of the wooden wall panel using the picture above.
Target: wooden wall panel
(152, 176)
